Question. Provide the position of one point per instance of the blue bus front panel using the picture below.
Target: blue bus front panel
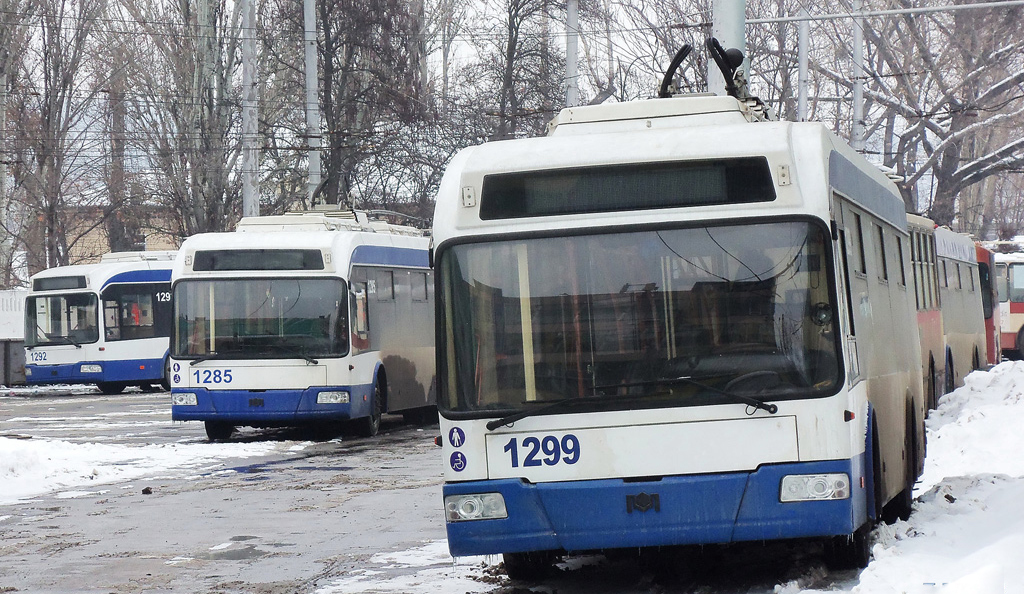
(130, 371)
(242, 407)
(679, 510)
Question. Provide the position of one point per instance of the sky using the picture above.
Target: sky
(966, 533)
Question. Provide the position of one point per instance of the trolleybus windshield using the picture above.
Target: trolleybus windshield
(261, 318)
(62, 319)
(744, 309)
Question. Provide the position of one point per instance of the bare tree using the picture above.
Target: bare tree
(185, 115)
(54, 124)
(13, 34)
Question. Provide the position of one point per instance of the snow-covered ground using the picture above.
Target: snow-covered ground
(966, 534)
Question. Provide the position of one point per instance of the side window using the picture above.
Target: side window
(903, 270)
(846, 281)
(418, 286)
(385, 285)
(1002, 283)
(133, 312)
(360, 318)
(861, 264)
(883, 265)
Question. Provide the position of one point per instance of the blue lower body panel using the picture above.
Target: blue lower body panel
(676, 510)
(128, 371)
(271, 407)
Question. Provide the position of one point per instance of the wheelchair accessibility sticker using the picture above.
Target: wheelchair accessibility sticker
(458, 461)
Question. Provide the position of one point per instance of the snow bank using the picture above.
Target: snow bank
(31, 467)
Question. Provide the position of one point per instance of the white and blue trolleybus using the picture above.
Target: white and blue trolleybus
(673, 322)
(303, 319)
(106, 323)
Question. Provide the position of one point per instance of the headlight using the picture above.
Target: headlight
(184, 399)
(28, 371)
(332, 398)
(478, 506)
(92, 368)
(814, 487)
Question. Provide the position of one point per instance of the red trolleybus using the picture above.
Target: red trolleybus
(986, 275)
(926, 297)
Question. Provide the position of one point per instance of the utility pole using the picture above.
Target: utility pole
(312, 101)
(572, 33)
(729, 20)
(802, 79)
(857, 128)
(250, 94)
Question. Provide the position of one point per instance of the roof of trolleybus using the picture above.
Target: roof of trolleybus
(805, 161)
(128, 267)
(341, 242)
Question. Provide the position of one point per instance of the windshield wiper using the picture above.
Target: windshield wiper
(684, 379)
(522, 414)
(300, 354)
(201, 358)
(68, 340)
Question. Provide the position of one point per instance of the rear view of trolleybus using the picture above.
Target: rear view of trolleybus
(671, 322)
(106, 323)
(302, 319)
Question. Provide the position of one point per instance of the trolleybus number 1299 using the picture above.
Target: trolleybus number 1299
(548, 447)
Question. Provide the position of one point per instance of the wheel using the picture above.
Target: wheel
(111, 388)
(426, 415)
(369, 426)
(216, 430)
(933, 386)
(950, 374)
(849, 551)
(165, 383)
(149, 387)
(903, 503)
(529, 566)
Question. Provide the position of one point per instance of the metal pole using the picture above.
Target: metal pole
(729, 21)
(250, 137)
(857, 129)
(312, 100)
(802, 82)
(572, 31)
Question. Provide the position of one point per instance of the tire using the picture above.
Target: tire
(950, 374)
(530, 566)
(849, 552)
(218, 430)
(933, 386)
(901, 505)
(426, 415)
(165, 383)
(111, 388)
(369, 426)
